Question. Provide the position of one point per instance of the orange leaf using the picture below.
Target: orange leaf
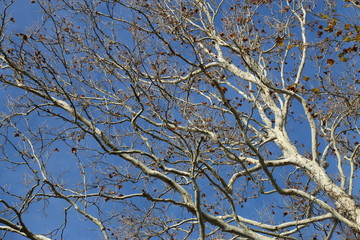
(330, 62)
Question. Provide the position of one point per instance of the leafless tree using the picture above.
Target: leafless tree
(178, 119)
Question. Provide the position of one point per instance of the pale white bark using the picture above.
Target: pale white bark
(243, 145)
(34, 237)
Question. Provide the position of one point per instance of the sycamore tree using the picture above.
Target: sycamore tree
(175, 119)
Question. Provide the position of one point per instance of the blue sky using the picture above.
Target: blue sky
(64, 164)
(26, 14)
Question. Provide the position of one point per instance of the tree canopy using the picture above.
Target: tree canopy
(175, 119)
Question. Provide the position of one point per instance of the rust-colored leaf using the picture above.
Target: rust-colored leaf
(73, 150)
(279, 41)
(315, 90)
(330, 62)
